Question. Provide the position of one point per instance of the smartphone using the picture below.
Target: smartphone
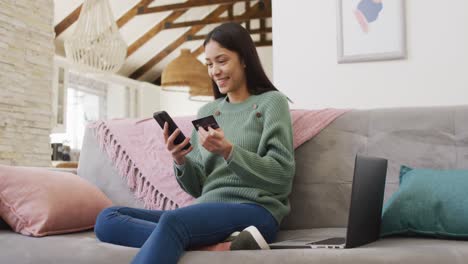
(161, 117)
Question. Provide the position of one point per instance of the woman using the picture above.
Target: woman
(241, 173)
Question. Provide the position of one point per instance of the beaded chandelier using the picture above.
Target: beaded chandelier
(96, 43)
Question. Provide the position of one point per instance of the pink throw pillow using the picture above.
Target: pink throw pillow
(40, 202)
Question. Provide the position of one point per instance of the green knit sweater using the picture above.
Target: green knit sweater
(261, 167)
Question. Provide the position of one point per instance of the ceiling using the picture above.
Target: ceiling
(156, 30)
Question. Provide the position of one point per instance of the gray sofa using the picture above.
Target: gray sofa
(431, 137)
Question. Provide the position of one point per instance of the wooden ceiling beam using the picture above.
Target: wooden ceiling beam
(253, 13)
(73, 17)
(176, 43)
(254, 31)
(153, 31)
(231, 11)
(68, 21)
(262, 27)
(132, 12)
(216, 21)
(185, 6)
(201, 49)
(247, 8)
(168, 23)
(263, 43)
(196, 52)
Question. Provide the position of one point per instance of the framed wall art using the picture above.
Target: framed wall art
(370, 30)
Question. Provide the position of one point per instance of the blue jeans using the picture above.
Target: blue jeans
(164, 235)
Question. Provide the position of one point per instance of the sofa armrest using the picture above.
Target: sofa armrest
(96, 167)
(71, 170)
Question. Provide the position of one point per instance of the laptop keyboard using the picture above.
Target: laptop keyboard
(330, 241)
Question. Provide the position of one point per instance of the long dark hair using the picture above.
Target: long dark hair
(234, 37)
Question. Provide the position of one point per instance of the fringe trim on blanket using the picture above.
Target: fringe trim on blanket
(142, 189)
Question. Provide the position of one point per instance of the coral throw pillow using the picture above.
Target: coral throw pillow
(40, 202)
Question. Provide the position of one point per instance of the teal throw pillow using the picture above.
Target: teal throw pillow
(429, 203)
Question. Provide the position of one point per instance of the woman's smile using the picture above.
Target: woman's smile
(221, 82)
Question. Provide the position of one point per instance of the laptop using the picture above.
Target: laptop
(365, 210)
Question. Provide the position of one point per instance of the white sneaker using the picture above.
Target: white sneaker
(249, 239)
(232, 236)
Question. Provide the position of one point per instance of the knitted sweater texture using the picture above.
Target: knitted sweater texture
(261, 167)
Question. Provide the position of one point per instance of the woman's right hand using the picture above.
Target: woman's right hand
(177, 151)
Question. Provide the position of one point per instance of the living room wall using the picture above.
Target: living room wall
(434, 72)
(26, 68)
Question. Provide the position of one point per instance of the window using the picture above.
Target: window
(86, 102)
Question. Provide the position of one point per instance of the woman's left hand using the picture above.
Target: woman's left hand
(214, 141)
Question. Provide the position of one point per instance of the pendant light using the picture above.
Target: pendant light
(187, 74)
(96, 43)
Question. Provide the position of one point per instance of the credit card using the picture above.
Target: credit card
(205, 122)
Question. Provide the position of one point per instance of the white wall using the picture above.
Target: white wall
(128, 98)
(116, 101)
(178, 104)
(148, 99)
(434, 73)
(266, 57)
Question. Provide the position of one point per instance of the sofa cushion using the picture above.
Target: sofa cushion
(39, 202)
(84, 247)
(429, 202)
(422, 137)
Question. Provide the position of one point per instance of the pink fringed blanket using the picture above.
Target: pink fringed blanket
(137, 150)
